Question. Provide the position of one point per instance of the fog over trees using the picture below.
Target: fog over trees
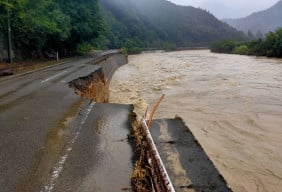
(223, 9)
(260, 22)
(40, 27)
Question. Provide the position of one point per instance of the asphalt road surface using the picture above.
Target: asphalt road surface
(52, 140)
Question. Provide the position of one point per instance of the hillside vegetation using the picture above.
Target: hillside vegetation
(42, 27)
(260, 23)
(270, 46)
(161, 24)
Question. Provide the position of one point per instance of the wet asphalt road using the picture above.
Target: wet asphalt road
(52, 140)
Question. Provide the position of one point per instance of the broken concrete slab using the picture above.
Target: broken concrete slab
(188, 166)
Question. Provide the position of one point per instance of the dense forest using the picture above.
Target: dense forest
(42, 27)
(270, 46)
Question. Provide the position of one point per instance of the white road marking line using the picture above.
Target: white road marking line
(59, 167)
(54, 76)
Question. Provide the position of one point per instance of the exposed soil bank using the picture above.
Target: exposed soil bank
(95, 86)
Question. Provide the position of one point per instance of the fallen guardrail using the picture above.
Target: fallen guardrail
(149, 173)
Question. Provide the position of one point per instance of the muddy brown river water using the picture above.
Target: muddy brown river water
(232, 104)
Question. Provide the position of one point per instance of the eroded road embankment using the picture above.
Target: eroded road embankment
(95, 86)
(53, 140)
(189, 167)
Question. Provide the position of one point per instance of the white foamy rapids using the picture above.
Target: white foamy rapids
(233, 105)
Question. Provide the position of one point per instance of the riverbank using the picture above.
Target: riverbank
(270, 46)
(231, 103)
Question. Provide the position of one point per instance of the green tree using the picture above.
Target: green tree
(5, 7)
(256, 47)
(131, 47)
(86, 22)
(40, 26)
(241, 50)
(226, 46)
(33, 21)
(270, 44)
(278, 43)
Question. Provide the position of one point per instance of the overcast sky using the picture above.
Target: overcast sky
(229, 8)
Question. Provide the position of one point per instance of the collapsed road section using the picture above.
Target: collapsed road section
(188, 165)
(95, 86)
(53, 140)
(150, 172)
(171, 159)
(79, 142)
(98, 157)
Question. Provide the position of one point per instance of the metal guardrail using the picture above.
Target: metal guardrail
(161, 180)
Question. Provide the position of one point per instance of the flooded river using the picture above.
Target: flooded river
(232, 104)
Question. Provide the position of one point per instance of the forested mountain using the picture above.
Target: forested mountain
(260, 22)
(43, 27)
(158, 23)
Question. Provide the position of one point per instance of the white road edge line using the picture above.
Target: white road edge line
(54, 76)
(59, 166)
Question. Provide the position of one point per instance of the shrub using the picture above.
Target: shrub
(84, 48)
(241, 50)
